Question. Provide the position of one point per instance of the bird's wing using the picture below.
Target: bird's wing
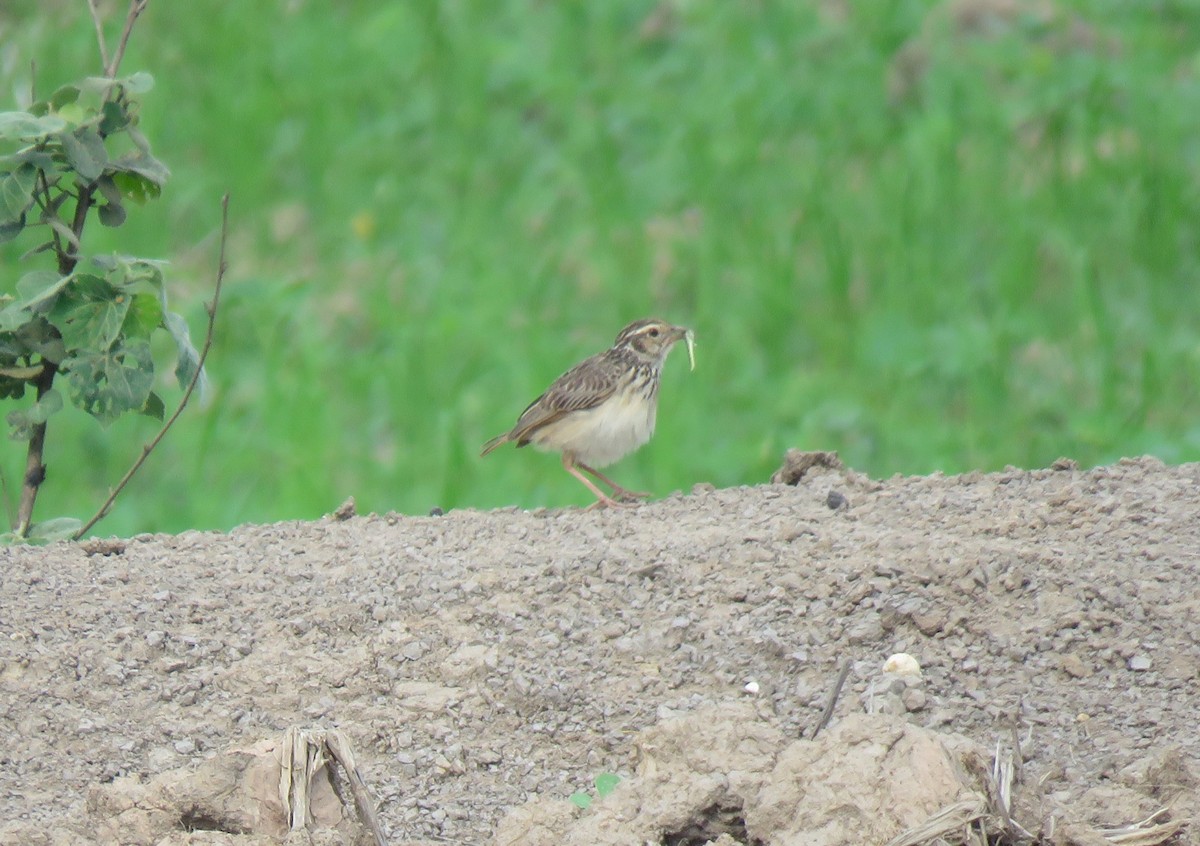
(584, 386)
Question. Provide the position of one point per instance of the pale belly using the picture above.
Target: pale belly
(599, 436)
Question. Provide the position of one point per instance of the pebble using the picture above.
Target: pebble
(1074, 667)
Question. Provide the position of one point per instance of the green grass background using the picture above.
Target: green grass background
(929, 236)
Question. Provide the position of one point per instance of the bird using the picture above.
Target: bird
(603, 408)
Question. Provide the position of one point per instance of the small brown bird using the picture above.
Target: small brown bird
(603, 408)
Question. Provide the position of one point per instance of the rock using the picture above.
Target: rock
(914, 699)
(867, 629)
(929, 623)
(797, 463)
(1073, 666)
(836, 500)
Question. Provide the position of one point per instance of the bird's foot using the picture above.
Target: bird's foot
(628, 496)
(609, 502)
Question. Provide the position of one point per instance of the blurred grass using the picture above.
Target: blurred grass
(929, 236)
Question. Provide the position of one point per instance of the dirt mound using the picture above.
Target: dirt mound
(483, 664)
(724, 771)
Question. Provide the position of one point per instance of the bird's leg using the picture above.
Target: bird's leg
(603, 500)
(618, 491)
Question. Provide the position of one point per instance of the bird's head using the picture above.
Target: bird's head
(651, 339)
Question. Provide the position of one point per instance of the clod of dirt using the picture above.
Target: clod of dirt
(235, 793)
(346, 510)
(797, 463)
(726, 773)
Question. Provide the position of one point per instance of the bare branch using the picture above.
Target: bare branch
(136, 7)
(211, 308)
(35, 470)
(99, 33)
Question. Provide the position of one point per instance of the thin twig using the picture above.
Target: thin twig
(136, 7)
(99, 33)
(211, 308)
(1018, 755)
(827, 714)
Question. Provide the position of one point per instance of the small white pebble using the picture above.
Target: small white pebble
(902, 664)
(751, 686)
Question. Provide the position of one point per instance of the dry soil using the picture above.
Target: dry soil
(484, 662)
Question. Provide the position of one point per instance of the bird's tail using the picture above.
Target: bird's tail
(499, 440)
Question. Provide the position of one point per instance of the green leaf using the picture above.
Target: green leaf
(189, 358)
(16, 192)
(137, 83)
(22, 126)
(23, 420)
(40, 159)
(145, 315)
(74, 114)
(139, 140)
(108, 383)
(154, 407)
(132, 274)
(136, 187)
(11, 229)
(64, 95)
(114, 118)
(106, 263)
(96, 84)
(108, 189)
(580, 800)
(112, 214)
(140, 164)
(65, 232)
(85, 152)
(50, 403)
(12, 316)
(55, 529)
(144, 275)
(37, 286)
(606, 783)
(20, 427)
(90, 316)
(36, 336)
(12, 388)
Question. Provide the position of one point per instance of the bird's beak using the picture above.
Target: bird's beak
(689, 338)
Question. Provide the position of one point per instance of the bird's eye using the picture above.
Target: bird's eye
(653, 333)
